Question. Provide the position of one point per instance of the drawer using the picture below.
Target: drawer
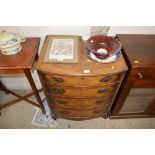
(80, 92)
(143, 77)
(60, 102)
(62, 112)
(80, 80)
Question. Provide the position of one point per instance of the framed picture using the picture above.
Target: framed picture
(61, 49)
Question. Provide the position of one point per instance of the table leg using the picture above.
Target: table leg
(3, 88)
(33, 86)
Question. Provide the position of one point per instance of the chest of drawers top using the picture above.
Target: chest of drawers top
(84, 67)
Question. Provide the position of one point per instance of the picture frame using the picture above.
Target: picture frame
(61, 49)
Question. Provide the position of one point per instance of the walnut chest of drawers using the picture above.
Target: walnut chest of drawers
(82, 90)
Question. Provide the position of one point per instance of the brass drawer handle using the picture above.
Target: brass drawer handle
(103, 91)
(106, 79)
(98, 111)
(61, 102)
(58, 80)
(63, 112)
(99, 101)
(59, 91)
(140, 75)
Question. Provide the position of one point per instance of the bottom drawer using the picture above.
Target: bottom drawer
(69, 113)
(74, 103)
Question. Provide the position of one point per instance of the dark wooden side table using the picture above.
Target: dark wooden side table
(136, 96)
(21, 62)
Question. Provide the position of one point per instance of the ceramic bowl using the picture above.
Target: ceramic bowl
(10, 43)
(103, 46)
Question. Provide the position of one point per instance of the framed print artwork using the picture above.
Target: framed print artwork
(61, 49)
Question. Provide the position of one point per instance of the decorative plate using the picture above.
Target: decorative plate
(110, 59)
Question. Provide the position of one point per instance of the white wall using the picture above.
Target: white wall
(132, 29)
(37, 31)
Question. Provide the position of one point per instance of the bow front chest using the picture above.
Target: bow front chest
(81, 90)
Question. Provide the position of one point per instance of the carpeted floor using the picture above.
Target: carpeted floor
(20, 116)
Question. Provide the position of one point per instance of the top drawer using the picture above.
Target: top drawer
(80, 80)
(142, 77)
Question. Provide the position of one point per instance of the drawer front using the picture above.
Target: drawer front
(64, 113)
(60, 102)
(82, 92)
(81, 81)
(143, 77)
